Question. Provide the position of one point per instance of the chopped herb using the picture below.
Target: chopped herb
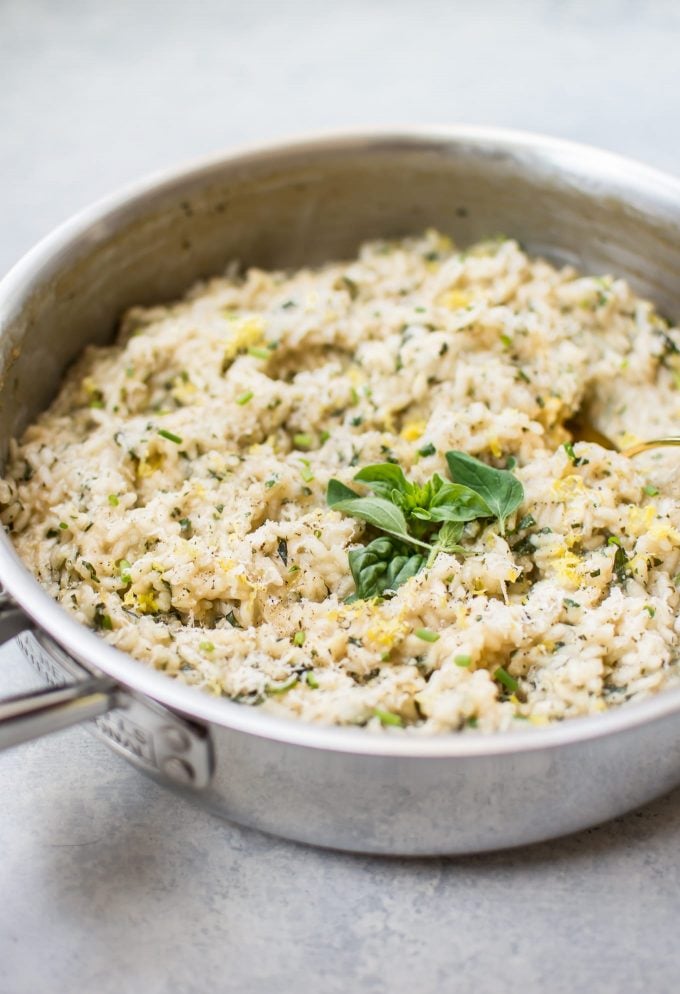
(113, 500)
(294, 568)
(282, 549)
(206, 646)
(102, 621)
(259, 353)
(185, 524)
(388, 718)
(271, 481)
(506, 341)
(427, 635)
(324, 436)
(621, 560)
(568, 602)
(281, 688)
(427, 450)
(650, 490)
(472, 722)
(573, 458)
(462, 660)
(243, 398)
(306, 471)
(63, 525)
(90, 569)
(124, 571)
(299, 639)
(170, 436)
(504, 677)
(233, 620)
(303, 441)
(651, 611)
(350, 286)
(311, 680)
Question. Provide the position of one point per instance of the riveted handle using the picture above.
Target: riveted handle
(40, 712)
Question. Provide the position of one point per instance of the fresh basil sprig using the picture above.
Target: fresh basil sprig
(381, 566)
(430, 516)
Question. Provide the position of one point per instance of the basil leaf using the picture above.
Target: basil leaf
(449, 536)
(384, 478)
(498, 488)
(381, 514)
(337, 491)
(382, 566)
(455, 502)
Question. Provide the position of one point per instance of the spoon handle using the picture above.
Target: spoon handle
(655, 443)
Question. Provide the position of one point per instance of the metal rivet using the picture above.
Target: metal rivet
(175, 739)
(178, 770)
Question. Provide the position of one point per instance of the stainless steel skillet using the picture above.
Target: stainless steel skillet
(286, 205)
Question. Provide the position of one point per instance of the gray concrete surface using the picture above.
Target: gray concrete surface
(109, 885)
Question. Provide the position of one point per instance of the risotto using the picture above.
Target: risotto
(350, 494)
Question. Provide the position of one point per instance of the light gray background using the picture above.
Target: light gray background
(107, 883)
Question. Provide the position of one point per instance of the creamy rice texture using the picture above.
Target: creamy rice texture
(174, 495)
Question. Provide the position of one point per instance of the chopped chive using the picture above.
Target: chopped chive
(311, 680)
(299, 639)
(259, 353)
(281, 688)
(124, 571)
(244, 397)
(651, 611)
(426, 635)
(504, 677)
(206, 646)
(388, 717)
(305, 471)
(185, 524)
(568, 602)
(324, 436)
(462, 660)
(63, 525)
(233, 620)
(303, 441)
(271, 481)
(170, 436)
(650, 490)
(472, 722)
(294, 568)
(113, 500)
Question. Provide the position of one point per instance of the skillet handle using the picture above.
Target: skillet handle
(163, 743)
(29, 716)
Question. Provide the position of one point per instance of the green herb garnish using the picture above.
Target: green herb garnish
(462, 660)
(299, 639)
(426, 635)
(502, 492)
(281, 688)
(388, 717)
(303, 441)
(101, 620)
(428, 516)
(113, 500)
(504, 677)
(170, 436)
(650, 490)
(243, 398)
(573, 458)
(311, 680)
(206, 646)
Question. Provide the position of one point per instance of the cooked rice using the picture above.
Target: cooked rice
(173, 496)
